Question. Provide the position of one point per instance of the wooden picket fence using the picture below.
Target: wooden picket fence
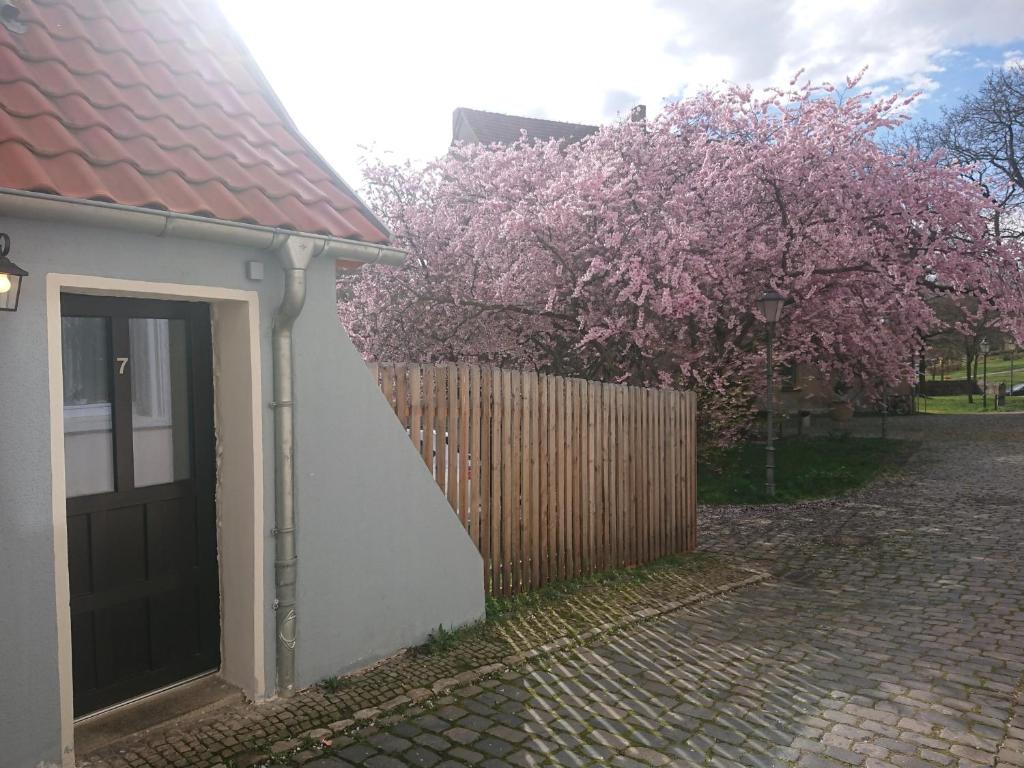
(552, 477)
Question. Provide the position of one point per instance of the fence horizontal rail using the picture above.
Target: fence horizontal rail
(552, 477)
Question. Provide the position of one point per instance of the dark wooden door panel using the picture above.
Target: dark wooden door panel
(122, 641)
(172, 537)
(175, 623)
(118, 543)
(83, 653)
(79, 556)
(145, 608)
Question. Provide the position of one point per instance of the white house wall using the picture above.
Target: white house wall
(382, 558)
(387, 560)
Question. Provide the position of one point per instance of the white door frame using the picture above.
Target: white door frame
(238, 421)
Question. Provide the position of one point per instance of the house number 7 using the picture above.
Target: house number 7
(123, 362)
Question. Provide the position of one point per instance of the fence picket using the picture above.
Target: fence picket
(572, 522)
(483, 471)
(451, 437)
(416, 407)
(542, 499)
(621, 541)
(497, 468)
(533, 499)
(651, 472)
(691, 469)
(429, 417)
(613, 476)
(674, 508)
(583, 461)
(580, 463)
(552, 504)
(402, 394)
(465, 397)
(565, 479)
(473, 456)
(659, 488)
(632, 502)
(441, 427)
(524, 483)
(593, 524)
(552, 477)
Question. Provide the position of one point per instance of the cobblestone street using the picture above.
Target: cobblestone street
(889, 633)
(892, 635)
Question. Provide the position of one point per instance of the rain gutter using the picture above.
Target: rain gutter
(36, 205)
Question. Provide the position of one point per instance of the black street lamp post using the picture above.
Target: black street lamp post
(1013, 354)
(984, 347)
(770, 305)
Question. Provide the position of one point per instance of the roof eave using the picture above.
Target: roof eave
(19, 203)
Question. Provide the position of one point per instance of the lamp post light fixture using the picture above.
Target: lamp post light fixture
(984, 347)
(885, 399)
(11, 276)
(770, 305)
(915, 391)
(1013, 354)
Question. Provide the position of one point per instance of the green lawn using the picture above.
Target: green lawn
(959, 404)
(806, 468)
(998, 370)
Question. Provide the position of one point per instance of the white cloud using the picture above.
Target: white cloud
(387, 74)
(901, 42)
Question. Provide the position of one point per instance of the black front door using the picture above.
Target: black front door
(139, 467)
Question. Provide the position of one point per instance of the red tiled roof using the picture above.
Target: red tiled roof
(156, 103)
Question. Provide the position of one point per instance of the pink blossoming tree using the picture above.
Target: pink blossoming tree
(636, 254)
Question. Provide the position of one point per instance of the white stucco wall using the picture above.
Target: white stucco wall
(395, 547)
(382, 558)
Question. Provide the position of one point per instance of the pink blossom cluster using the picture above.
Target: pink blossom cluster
(636, 254)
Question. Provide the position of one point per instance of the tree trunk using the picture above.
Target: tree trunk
(972, 376)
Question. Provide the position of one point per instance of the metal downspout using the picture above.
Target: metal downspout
(295, 255)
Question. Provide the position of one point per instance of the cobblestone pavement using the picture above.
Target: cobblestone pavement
(580, 612)
(893, 635)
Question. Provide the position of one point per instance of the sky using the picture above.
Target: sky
(380, 78)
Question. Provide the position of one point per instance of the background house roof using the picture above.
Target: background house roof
(477, 126)
(157, 103)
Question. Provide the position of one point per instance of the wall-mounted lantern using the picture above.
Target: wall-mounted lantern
(11, 276)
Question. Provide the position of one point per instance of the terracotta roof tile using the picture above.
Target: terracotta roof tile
(156, 103)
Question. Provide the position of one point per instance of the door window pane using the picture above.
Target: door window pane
(88, 421)
(160, 400)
